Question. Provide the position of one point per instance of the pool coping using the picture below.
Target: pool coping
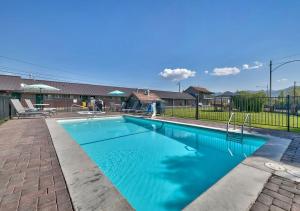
(90, 189)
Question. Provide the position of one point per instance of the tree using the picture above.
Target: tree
(250, 102)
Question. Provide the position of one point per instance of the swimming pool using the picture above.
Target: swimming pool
(156, 165)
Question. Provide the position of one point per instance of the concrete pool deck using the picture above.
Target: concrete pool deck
(18, 130)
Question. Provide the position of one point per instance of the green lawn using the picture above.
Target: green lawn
(2, 121)
(258, 119)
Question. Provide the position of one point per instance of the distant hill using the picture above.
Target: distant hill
(287, 91)
(275, 93)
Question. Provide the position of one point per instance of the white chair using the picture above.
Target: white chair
(32, 108)
(22, 112)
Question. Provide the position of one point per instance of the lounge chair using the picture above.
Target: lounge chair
(133, 109)
(141, 109)
(32, 108)
(22, 112)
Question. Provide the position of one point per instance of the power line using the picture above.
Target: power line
(38, 74)
(41, 66)
(18, 73)
(55, 79)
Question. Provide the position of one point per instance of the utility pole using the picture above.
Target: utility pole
(276, 67)
(270, 79)
(271, 71)
(179, 86)
(294, 98)
(295, 90)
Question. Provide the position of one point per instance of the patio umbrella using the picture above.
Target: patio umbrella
(116, 92)
(39, 87)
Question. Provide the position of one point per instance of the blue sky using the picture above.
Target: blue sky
(128, 43)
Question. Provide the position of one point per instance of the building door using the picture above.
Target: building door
(16, 95)
(39, 99)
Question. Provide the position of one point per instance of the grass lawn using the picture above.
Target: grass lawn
(258, 119)
(2, 121)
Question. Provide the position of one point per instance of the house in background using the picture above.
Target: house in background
(222, 101)
(140, 100)
(226, 94)
(70, 93)
(205, 96)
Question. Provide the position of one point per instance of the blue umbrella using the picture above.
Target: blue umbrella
(116, 92)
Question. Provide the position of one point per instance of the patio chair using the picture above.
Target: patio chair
(22, 112)
(32, 108)
(142, 109)
(133, 108)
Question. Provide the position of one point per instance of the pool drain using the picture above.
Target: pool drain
(294, 172)
(275, 166)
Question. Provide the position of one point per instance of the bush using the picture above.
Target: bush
(249, 102)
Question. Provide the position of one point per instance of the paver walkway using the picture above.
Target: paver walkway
(281, 194)
(30, 174)
(31, 178)
(292, 154)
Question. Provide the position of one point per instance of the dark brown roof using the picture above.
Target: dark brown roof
(143, 97)
(226, 94)
(173, 95)
(12, 83)
(200, 89)
(81, 89)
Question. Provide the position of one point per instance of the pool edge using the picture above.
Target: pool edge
(245, 188)
(89, 188)
(240, 187)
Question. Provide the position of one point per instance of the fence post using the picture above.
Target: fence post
(288, 113)
(197, 107)
(172, 107)
(230, 107)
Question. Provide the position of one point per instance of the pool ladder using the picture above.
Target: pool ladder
(234, 136)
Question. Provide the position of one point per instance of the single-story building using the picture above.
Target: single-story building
(141, 100)
(205, 96)
(70, 93)
(226, 94)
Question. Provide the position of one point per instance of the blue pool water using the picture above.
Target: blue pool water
(155, 165)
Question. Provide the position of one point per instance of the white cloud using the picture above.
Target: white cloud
(224, 71)
(282, 80)
(177, 74)
(206, 71)
(255, 65)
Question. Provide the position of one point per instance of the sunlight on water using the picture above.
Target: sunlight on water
(159, 166)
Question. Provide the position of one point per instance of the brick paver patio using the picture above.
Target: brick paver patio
(31, 177)
(30, 174)
(281, 194)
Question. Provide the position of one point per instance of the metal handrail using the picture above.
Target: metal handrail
(248, 117)
(228, 123)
